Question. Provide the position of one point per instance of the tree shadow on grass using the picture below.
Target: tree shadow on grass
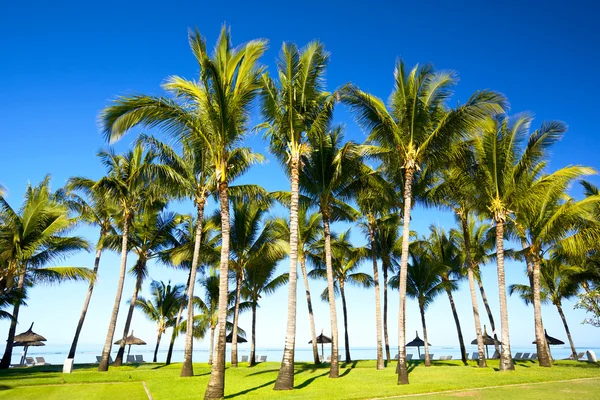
(244, 392)
(5, 387)
(310, 380)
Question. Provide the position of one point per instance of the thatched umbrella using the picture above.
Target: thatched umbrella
(417, 342)
(487, 341)
(322, 339)
(552, 341)
(240, 339)
(129, 341)
(26, 339)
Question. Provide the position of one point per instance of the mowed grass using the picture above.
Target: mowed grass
(359, 380)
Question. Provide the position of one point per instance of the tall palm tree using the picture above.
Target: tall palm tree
(346, 259)
(162, 308)
(329, 175)
(152, 231)
(294, 107)
(98, 210)
(417, 129)
(30, 238)
(424, 283)
(309, 227)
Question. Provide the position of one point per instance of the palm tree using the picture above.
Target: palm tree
(417, 129)
(424, 283)
(445, 252)
(345, 259)
(98, 211)
(152, 231)
(30, 238)
(309, 227)
(329, 176)
(374, 198)
(162, 308)
(295, 107)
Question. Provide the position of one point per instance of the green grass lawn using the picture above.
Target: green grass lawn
(358, 380)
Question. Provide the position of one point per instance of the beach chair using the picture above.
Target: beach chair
(98, 359)
(423, 357)
(396, 356)
(244, 358)
(263, 358)
(533, 356)
(110, 360)
(475, 356)
(339, 357)
(130, 359)
(139, 358)
(29, 361)
(328, 358)
(580, 355)
(442, 358)
(495, 356)
(525, 356)
(40, 361)
(408, 357)
(518, 356)
(448, 357)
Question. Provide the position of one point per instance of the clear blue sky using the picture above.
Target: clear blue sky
(61, 63)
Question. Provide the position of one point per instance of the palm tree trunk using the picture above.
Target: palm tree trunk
(540, 337)
(506, 361)
(461, 341)
(138, 284)
(334, 371)
(422, 311)
(564, 321)
(216, 383)
(177, 321)
(157, 344)
(489, 311)
(103, 365)
(187, 369)
(253, 344)
(236, 313)
(345, 310)
(6, 358)
(211, 345)
(469, 263)
(385, 311)
(285, 377)
(311, 317)
(88, 297)
(380, 364)
(402, 370)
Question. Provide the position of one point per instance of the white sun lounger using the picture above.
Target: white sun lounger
(139, 358)
(263, 359)
(244, 358)
(40, 361)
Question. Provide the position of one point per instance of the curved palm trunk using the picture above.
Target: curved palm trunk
(103, 366)
(216, 383)
(402, 370)
(157, 344)
(187, 369)
(461, 341)
(426, 345)
(253, 344)
(540, 337)
(334, 371)
(564, 321)
(311, 317)
(377, 298)
(86, 303)
(236, 314)
(5, 362)
(177, 321)
(506, 361)
(345, 311)
(489, 312)
(385, 312)
(469, 263)
(285, 377)
(211, 348)
(138, 284)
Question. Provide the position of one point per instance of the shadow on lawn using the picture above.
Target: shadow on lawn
(243, 392)
(5, 387)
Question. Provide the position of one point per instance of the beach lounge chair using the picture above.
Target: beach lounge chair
(448, 357)
(408, 357)
(244, 358)
(98, 359)
(533, 356)
(139, 358)
(40, 361)
(580, 355)
(29, 361)
(525, 356)
(263, 358)
(339, 357)
(328, 358)
(423, 357)
(130, 359)
(396, 356)
(442, 358)
(495, 356)
(518, 356)
(110, 360)
(18, 365)
(475, 356)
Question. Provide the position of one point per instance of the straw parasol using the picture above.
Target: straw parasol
(26, 339)
(130, 341)
(417, 342)
(487, 341)
(552, 341)
(321, 339)
(229, 338)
